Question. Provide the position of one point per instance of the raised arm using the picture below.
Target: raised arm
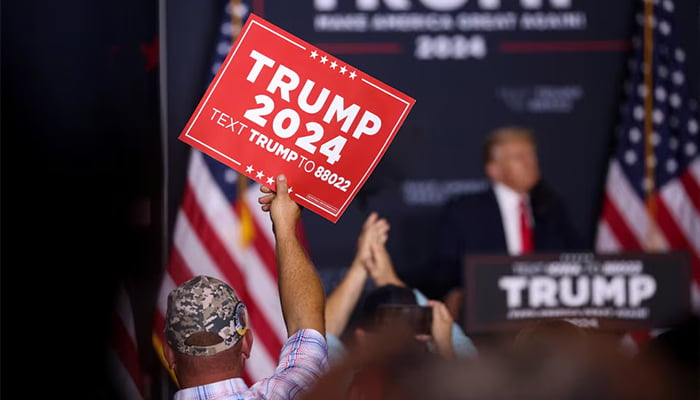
(341, 302)
(380, 267)
(300, 289)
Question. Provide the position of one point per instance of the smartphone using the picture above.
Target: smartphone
(419, 318)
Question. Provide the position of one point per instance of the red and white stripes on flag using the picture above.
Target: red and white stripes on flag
(652, 192)
(626, 224)
(222, 232)
(124, 355)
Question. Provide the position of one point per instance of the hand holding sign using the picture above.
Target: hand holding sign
(281, 106)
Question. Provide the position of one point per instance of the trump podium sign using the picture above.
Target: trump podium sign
(280, 105)
(620, 292)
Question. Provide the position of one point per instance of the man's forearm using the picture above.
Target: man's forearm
(301, 292)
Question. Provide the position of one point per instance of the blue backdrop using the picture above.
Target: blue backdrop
(556, 66)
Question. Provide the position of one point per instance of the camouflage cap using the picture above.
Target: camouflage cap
(204, 304)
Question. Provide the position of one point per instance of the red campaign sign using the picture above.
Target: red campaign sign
(280, 105)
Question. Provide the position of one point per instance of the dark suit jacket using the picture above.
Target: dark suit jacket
(472, 224)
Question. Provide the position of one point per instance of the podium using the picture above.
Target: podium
(616, 292)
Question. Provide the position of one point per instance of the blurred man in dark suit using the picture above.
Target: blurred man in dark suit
(517, 214)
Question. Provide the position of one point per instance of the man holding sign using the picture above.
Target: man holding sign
(279, 105)
(208, 338)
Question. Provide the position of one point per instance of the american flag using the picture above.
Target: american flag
(652, 192)
(124, 363)
(221, 231)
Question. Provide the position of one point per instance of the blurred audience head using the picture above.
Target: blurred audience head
(550, 336)
(676, 354)
(381, 296)
(548, 360)
(391, 311)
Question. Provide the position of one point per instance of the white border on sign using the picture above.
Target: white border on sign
(309, 197)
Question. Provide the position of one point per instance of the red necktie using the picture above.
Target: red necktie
(525, 229)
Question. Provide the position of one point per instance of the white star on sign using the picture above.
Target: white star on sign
(289, 190)
(270, 181)
(343, 70)
(249, 169)
(353, 74)
(324, 60)
(334, 64)
(314, 54)
(260, 174)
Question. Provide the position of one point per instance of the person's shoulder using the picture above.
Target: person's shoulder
(304, 348)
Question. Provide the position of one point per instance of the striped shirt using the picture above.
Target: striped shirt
(302, 361)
